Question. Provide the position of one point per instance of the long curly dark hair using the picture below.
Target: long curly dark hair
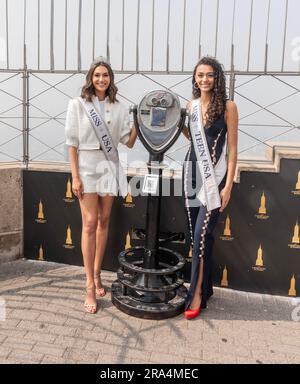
(88, 90)
(219, 98)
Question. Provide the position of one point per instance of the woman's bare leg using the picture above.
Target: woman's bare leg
(105, 204)
(89, 213)
(196, 302)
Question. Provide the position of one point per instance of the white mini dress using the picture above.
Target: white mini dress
(94, 170)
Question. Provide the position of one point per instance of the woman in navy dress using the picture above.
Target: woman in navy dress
(220, 122)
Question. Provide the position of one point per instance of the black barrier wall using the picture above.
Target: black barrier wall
(257, 245)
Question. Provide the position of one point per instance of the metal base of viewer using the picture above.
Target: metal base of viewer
(156, 293)
(153, 311)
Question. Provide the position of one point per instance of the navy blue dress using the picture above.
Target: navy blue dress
(201, 221)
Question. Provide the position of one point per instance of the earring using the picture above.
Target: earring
(196, 90)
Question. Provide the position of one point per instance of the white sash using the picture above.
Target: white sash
(106, 143)
(209, 194)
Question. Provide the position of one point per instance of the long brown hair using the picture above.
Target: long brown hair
(219, 98)
(88, 90)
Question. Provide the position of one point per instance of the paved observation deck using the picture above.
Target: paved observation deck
(43, 321)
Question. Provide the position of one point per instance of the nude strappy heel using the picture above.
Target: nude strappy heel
(99, 291)
(90, 308)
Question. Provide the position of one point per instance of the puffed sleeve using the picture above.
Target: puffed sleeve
(72, 126)
(125, 130)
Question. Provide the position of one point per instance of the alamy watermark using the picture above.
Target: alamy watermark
(187, 186)
(2, 310)
(296, 311)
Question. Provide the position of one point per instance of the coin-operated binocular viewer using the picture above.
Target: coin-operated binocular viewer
(150, 283)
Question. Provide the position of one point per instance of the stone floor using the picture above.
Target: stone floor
(42, 321)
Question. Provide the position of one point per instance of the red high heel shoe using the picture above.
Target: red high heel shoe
(191, 313)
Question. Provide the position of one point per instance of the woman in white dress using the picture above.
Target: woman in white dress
(94, 183)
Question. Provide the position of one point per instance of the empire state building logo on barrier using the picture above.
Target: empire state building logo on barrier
(224, 281)
(69, 198)
(227, 236)
(292, 290)
(69, 242)
(296, 238)
(259, 264)
(297, 188)
(262, 211)
(41, 217)
(128, 203)
(128, 242)
(41, 254)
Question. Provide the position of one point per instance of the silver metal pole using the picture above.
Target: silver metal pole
(183, 38)
(123, 32)
(233, 24)
(266, 57)
(66, 32)
(39, 32)
(107, 32)
(158, 72)
(152, 43)
(94, 28)
(25, 112)
(168, 39)
(267, 37)
(138, 36)
(24, 22)
(217, 29)
(232, 76)
(79, 36)
(7, 51)
(285, 32)
(200, 29)
(232, 86)
(250, 35)
(51, 36)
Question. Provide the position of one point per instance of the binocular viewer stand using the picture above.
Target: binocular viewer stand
(149, 281)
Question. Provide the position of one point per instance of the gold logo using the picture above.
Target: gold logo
(129, 201)
(41, 254)
(128, 241)
(292, 290)
(69, 195)
(296, 239)
(69, 241)
(259, 265)
(224, 282)
(41, 217)
(227, 230)
(190, 255)
(262, 211)
(297, 191)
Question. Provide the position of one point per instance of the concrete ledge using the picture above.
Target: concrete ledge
(11, 217)
(11, 246)
(274, 154)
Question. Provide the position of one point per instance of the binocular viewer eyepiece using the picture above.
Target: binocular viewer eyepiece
(159, 120)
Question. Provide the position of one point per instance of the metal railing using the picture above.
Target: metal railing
(166, 38)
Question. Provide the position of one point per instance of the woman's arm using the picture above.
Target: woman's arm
(186, 132)
(185, 129)
(77, 185)
(132, 137)
(232, 129)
